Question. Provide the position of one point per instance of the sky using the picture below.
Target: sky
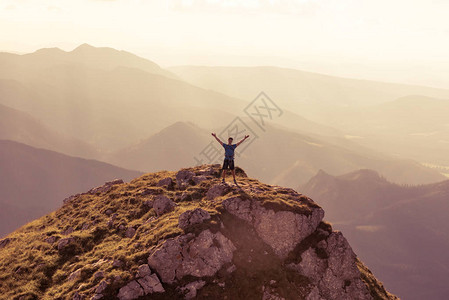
(394, 40)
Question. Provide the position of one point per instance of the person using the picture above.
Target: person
(229, 155)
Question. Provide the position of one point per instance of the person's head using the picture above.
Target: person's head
(230, 139)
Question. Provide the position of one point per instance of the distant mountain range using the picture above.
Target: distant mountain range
(299, 158)
(400, 231)
(35, 181)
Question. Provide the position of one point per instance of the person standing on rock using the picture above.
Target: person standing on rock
(229, 155)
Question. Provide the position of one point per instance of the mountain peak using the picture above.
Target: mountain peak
(84, 47)
(184, 234)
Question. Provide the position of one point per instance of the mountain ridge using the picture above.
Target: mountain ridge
(184, 235)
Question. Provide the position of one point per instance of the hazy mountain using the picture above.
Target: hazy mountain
(278, 156)
(110, 108)
(183, 234)
(292, 87)
(22, 127)
(95, 57)
(412, 126)
(400, 231)
(35, 181)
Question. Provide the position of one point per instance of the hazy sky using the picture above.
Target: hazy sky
(401, 40)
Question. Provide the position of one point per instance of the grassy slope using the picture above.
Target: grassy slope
(31, 267)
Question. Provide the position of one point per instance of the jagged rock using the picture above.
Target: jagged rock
(130, 232)
(4, 242)
(217, 190)
(131, 291)
(74, 275)
(106, 187)
(167, 182)
(207, 171)
(63, 243)
(99, 274)
(183, 177)
(162, 204)
(282, 230)
(191, 289)
(143, 270)
(270, 294)
(199, 179)
(189, 255)
(336, 277)
(70, 198)
(151, 284)
(101, 287)
(192, 217)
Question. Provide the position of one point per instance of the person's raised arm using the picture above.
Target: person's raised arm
(218, 140)
(246, 136)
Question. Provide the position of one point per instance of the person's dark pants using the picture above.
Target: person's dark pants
(228, 164)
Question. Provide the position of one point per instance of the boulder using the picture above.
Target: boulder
(74, 275)
(217, 190)
(282, 230)
(131, 291)
(4, 242)
(130, 232)
(336, 277)
(105, 187)
(162, 204)
(199, 179)
(151, 284)
(101, 287)
(166, 182)
(192, 217)
(63, 243)
(143, 270)
(190, 289)
(183, 177)
(187, 255)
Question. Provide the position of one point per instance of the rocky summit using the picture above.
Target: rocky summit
(184, 235)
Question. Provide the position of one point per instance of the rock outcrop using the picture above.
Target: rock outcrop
(185, 235)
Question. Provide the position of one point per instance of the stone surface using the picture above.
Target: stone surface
(4, 242)
(63, 243)
(186, 255)
(162, 204)
(167, 182)
(336, 277)
(75, 275)
(130, 232)
(101, 287)
(192, 217)
(131, 291)
(282, 230)
(199, 179)
(151, 284)
(105, 187)
(143, 270)
(183, 177)
(190, 289)
(217, 190)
